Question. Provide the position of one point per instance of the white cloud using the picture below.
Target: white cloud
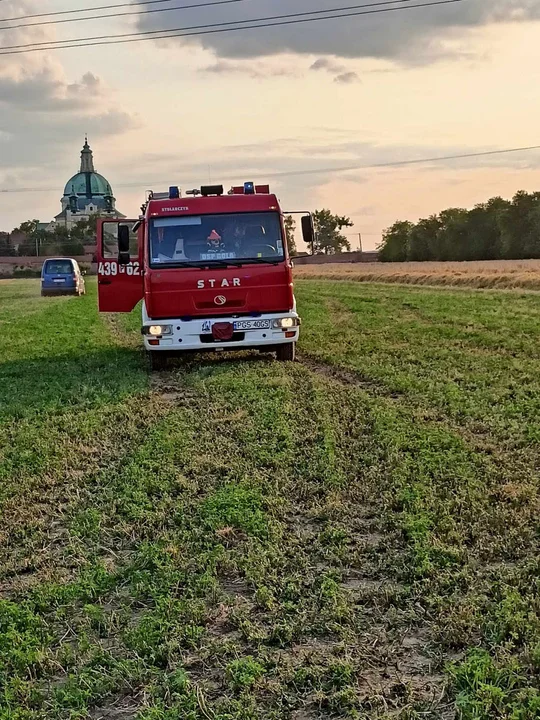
(41, 107)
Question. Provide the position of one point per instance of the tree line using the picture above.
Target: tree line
(495, 230)
(329, 239)
(29, 240)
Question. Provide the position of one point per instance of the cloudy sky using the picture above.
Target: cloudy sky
(289, 104)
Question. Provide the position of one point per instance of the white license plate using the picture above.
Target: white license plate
(59, 280)
(241, 325)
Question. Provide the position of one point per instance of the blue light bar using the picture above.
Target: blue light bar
(174, 193)
(249, 188)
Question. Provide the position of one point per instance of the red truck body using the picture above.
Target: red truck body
(202, 284)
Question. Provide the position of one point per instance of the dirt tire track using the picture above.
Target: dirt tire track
(344, 376)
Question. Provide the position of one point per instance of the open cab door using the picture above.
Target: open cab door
(120, 281)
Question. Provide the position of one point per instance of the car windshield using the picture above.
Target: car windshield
(235, 238)
(58, 267)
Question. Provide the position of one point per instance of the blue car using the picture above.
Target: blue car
(62, 276)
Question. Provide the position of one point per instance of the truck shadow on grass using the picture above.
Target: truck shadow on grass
(193, 361)
(71, 380)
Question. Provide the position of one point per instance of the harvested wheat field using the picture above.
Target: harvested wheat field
(479, 274)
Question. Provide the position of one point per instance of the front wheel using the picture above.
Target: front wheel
(286, 353)
(156, 360)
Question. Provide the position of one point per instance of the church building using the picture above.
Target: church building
(86, 193)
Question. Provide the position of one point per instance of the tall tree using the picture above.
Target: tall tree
(329, 238)
(58, 242)
(290, 230)
(85, 230)
(6, 248)
(484, 223)
(520, 227)
(30, 237)
(423, 239)
(395, 242)
(28, 228)
(452, 241)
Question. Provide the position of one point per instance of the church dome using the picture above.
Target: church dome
(87, 184)
(88, 192)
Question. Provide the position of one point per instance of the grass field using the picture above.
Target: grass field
(494, 274)
(351, 536)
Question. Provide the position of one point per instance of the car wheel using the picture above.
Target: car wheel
(157, 360)
(286, 353)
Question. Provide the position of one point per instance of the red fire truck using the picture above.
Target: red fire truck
(212, 269)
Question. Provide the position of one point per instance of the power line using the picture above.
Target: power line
(402, 163)
(124, 14)
(327, 170)
(72, 12)
(193, 27)
(179, 32)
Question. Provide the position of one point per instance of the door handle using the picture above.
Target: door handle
(105, 282)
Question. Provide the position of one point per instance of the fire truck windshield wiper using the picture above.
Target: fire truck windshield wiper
(185, 264)
(199, 264)
(263, 261)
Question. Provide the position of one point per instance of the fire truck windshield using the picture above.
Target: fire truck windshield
(198, 240)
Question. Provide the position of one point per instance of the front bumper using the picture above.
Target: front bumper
(197, 334)
(62, 290)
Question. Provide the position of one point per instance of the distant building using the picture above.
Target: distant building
(87, 193)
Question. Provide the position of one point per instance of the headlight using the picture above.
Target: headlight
(157, 330)
(287, 322)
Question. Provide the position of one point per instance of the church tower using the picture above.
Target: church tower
(86, 193)
(87, 158)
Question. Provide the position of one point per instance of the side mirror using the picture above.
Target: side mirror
(123, 239)
(123, 245)
(308, 230)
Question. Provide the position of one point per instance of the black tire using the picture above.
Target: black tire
(157, 360)
(286, 353)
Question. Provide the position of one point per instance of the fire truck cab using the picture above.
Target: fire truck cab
(212, 270)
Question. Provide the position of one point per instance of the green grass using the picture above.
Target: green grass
(351, 536)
